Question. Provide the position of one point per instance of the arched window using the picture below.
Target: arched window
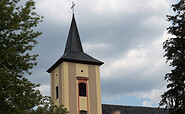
(83, 112)
(82, 89)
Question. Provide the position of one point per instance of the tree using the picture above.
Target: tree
(49, 108)
(17, 39)
(174, 97)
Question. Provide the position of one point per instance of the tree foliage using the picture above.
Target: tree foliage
(17, 39)
(48, 108)
(174, 97)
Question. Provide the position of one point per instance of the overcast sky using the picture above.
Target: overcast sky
(127, 35)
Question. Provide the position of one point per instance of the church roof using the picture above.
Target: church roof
(74, 51)
(108, 109)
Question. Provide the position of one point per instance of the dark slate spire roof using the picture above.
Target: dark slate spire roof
(73, 41)
(74, 51)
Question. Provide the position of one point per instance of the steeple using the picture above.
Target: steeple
(73, 50)
(73, 41)
(75, 77)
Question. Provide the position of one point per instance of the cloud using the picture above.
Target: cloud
(147, 103)
(91, 46)
(126, 34)
(55, 11)
(45, 89)
(153, 97)
(126, 7)
(39, 76)
(141, 69)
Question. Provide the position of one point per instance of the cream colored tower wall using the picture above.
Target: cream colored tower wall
(83, 103)
(93, 70)
(54, 84)
(65, 85)
(60, 73)
(79, 68)
(66, 76)
(98, 90)
(82, 71)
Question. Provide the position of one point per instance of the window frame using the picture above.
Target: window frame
(81, 79)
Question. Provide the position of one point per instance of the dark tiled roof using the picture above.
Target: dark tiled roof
(73, 50)
(108, 109)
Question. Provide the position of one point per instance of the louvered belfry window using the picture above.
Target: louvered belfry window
(82, 89)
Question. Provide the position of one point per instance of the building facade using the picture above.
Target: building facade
(75, 78)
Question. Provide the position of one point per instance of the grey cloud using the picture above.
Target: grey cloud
(129, 83)
(121, 31)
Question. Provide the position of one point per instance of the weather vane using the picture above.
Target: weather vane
(72, 7)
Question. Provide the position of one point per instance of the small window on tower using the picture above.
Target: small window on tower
(56, 92)
(82, 89)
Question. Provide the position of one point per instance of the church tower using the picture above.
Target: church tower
(75, 78)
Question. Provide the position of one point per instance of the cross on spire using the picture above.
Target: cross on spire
(72, 7)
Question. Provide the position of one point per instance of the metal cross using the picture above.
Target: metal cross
(72, 7)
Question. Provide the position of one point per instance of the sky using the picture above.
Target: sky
(127, 35)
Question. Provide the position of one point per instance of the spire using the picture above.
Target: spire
(73, 40)
(73, 50)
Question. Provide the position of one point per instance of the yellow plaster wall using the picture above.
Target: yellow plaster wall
(65, 87)
(77, 93)
(99, 106)
(51, 83)
(56, 76)
(82, 100)
(89, 97)
(80, 67)
(83, 103)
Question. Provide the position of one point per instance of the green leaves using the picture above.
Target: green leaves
(174, 98)
(17, 39)
(49, 108)
(17, 35)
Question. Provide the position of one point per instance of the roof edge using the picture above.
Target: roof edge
(134, 106)
(72, 60)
